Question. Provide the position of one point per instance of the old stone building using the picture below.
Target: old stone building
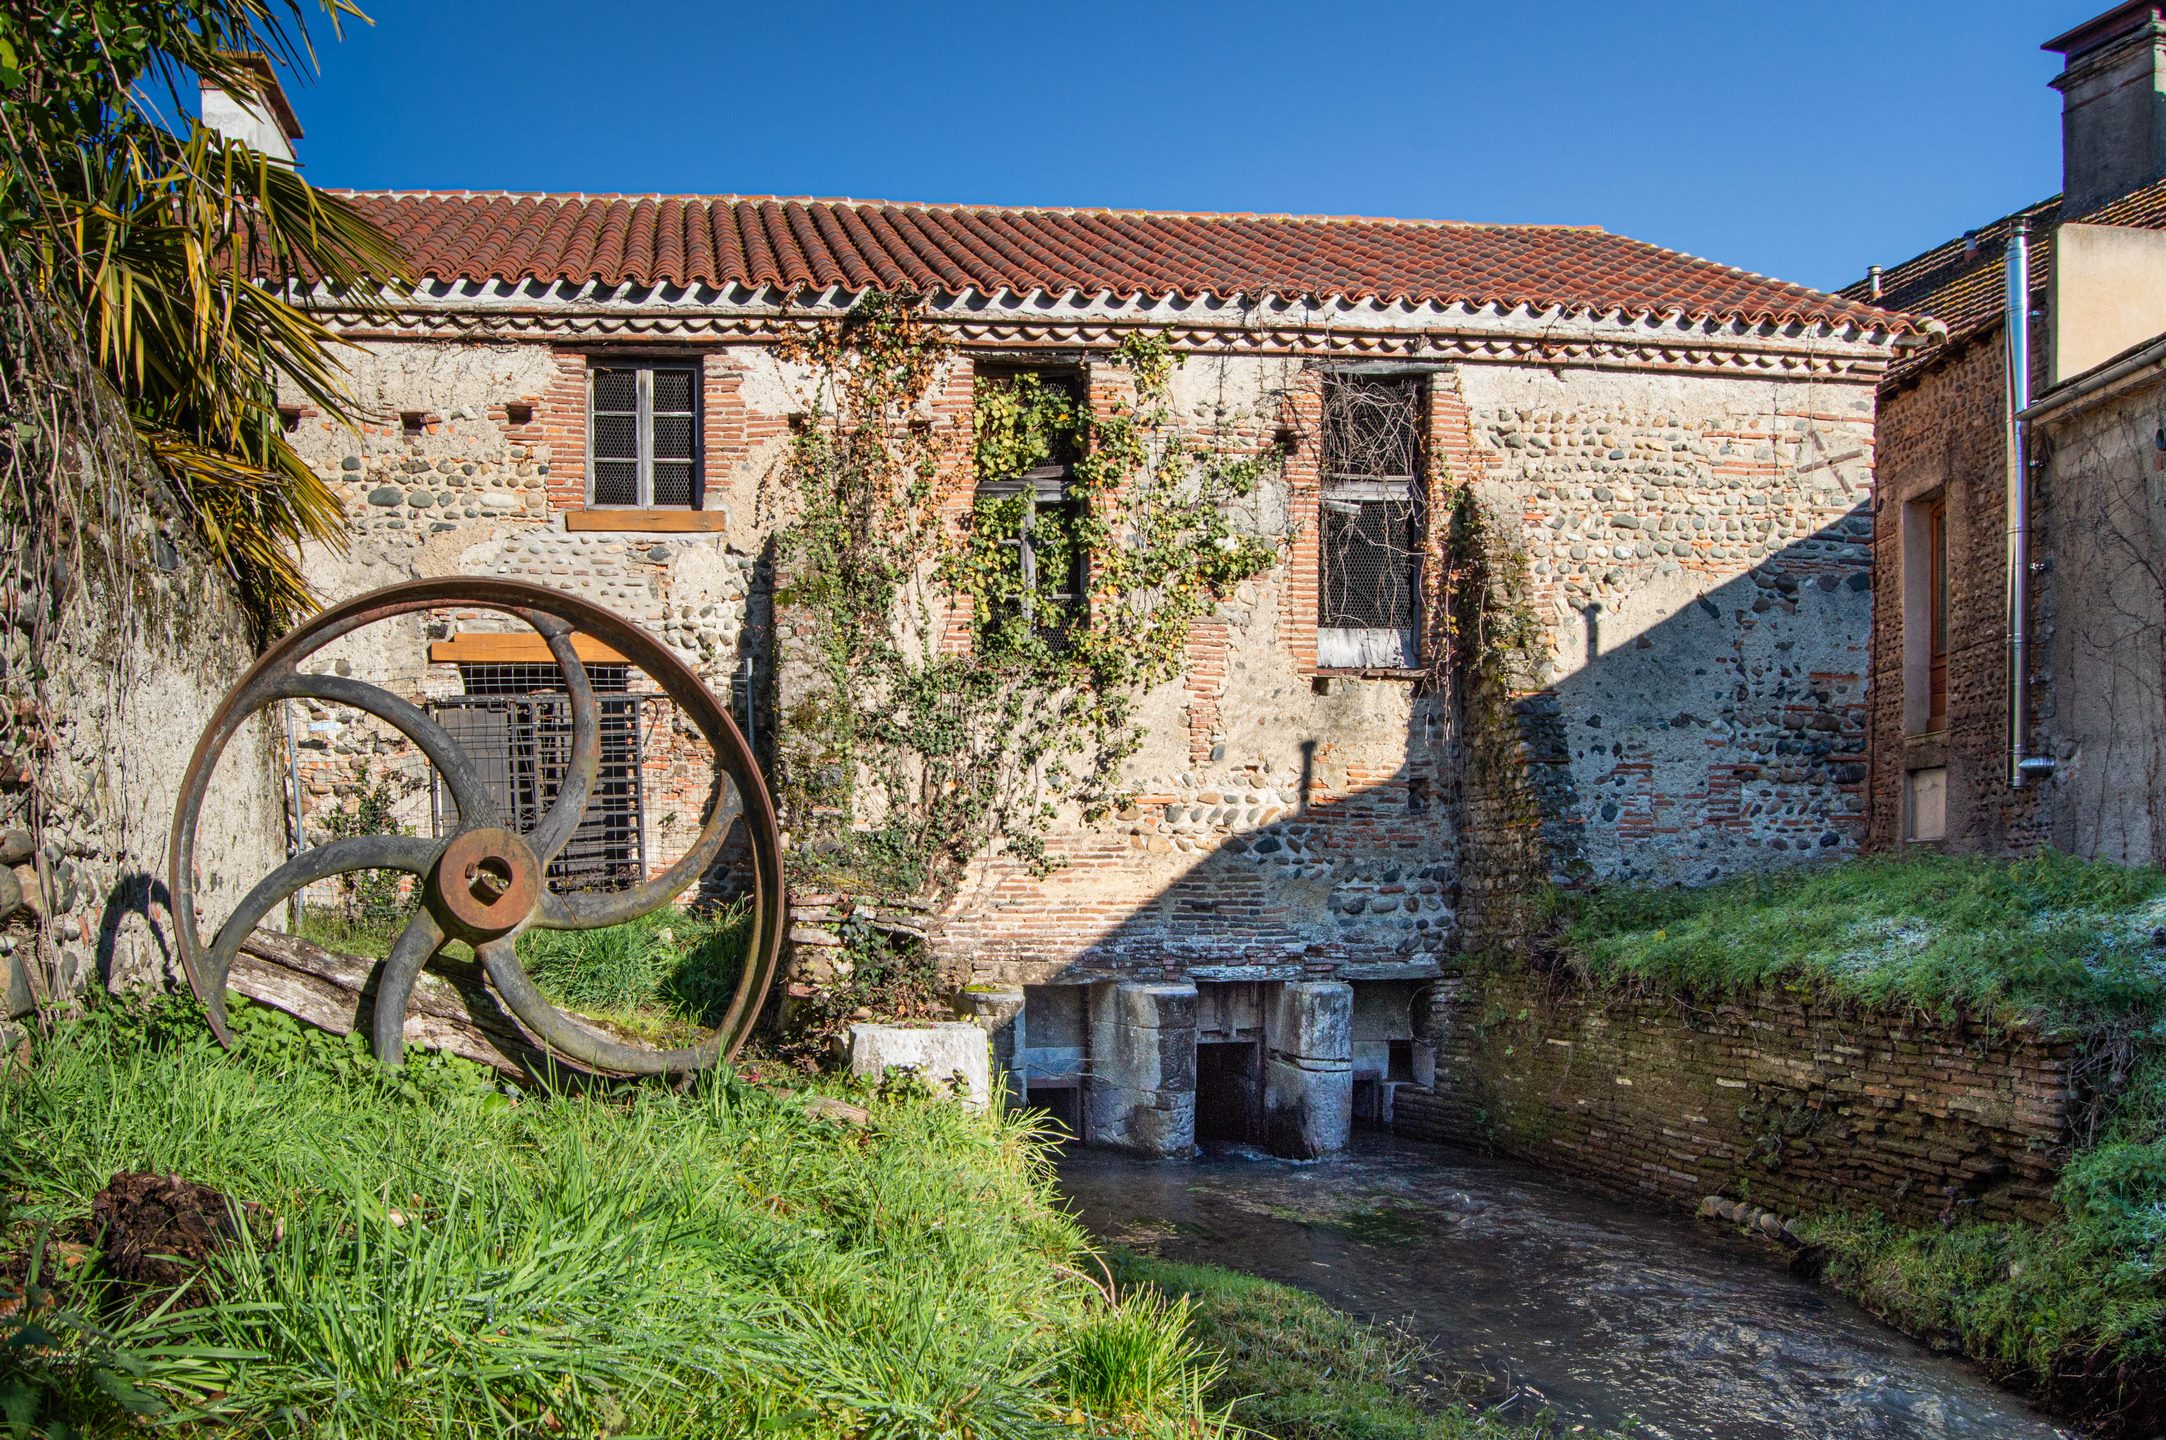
(1670, 458)
(2002, 724)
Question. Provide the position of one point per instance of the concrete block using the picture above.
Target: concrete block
(1307, 1113)
(1309, 1080)
(951, 1056)
(999, 1013)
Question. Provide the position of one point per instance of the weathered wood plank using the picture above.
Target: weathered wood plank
(453, 1008)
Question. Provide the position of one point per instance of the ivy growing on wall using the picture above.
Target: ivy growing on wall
(909, 746)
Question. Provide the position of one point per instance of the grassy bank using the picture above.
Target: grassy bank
(433, 1256)
(428, 1254)
(1297, 1369)
(664, 976)
(2074, 1308)
(2051, 937)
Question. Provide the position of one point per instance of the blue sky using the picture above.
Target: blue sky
(1804, 140)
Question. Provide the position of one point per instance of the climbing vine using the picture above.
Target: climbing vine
(957, 675)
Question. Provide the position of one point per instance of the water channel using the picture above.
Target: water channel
(1598, 1313)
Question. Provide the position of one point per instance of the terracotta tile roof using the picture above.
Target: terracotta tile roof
(1963, 283)
(815, 244)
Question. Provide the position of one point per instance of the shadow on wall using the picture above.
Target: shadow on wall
(1695, 735)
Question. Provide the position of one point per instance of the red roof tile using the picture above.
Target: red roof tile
(1963, 283)
(797, 244)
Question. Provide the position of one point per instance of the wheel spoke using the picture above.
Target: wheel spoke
(413, 854)
(560, 1034)
(475, 804)
(569, 807)
(421, 938)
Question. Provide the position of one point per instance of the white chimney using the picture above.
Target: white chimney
(265, 122)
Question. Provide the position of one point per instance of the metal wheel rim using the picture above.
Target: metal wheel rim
(556, 616)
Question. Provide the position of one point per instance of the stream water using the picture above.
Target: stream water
(1598, 1313)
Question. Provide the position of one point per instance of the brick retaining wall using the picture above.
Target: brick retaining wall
(1797, 1105)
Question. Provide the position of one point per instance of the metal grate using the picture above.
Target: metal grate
(643, 434)
(515, 724)
(1371, 530)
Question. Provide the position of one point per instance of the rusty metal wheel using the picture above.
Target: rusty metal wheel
(486, 883)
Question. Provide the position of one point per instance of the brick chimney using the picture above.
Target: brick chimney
(266, 122)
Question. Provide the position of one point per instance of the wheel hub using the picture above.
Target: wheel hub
(486, 883)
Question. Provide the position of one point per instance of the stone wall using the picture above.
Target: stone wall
(1793, 1104)
(1694, 562)
(2101, 498)
(128, 675)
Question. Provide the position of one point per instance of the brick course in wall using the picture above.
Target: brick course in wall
(1796, 1105)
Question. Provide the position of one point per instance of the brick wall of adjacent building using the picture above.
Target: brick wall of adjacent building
(1793, 1104)
(1941, 434)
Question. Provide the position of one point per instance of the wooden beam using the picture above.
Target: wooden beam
(666, 522)
(486, 647)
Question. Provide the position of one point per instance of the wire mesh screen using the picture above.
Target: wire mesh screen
(515, 725)
(674, 445)
(645, 434)
(1371, 530)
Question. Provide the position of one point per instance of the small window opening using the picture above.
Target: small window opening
(1032, 426)
(413, 422)
(643, 434)
(1371, 525)
(289, 418)
(518, 412)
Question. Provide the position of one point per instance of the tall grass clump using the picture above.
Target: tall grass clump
(429, 1254)
(660, 975)
(682, 964)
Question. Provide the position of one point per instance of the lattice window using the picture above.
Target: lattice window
(1371, 527)
(514, 722)
(643, 434)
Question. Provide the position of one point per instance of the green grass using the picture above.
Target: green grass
(662, 977)
(436, 1256)
(1296, 1368)
(2051, 937)
(2074, 1308)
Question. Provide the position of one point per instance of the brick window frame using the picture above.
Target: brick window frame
(1372, 519)
(1447, 453)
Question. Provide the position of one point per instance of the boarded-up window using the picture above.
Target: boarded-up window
(643, 434)
(1369, 591)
